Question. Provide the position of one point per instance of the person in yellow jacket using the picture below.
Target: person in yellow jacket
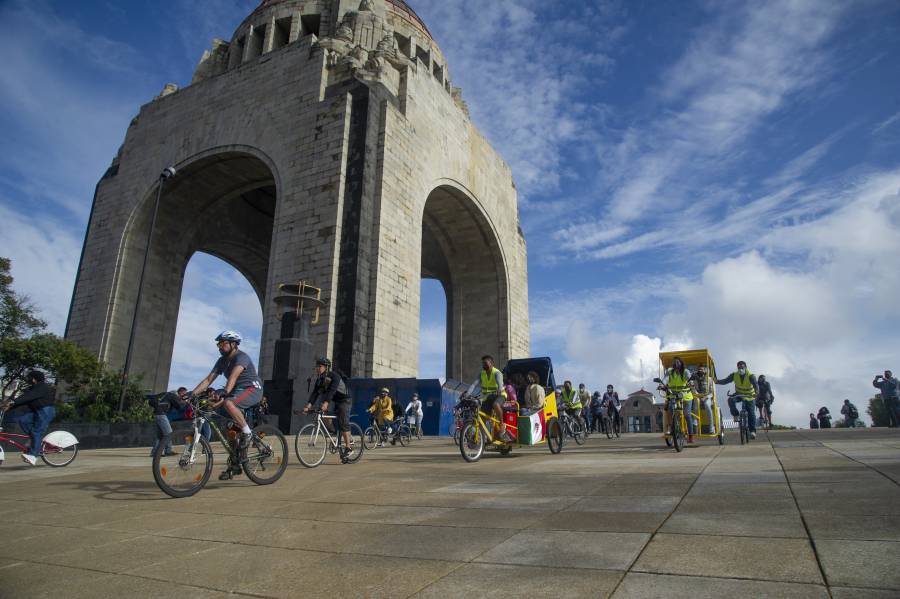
(382, 407)
(747, 388)
(490, 384)
(678, 379)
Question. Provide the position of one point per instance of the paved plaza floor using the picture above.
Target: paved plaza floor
(803, 514)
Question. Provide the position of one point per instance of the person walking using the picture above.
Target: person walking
(38, 399)
(161, 405)
(813, 423)
(851, 414)
(890, 395)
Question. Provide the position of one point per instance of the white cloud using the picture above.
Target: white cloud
(814, 306)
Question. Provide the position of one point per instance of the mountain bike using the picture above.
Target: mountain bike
(606, 425)
(187, 468)
(314, 440)
(414, 429)
(675, 409)
(616, 424)
(58, 449)
(376, 436)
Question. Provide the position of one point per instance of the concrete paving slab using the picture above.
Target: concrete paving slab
(789, 560)
(600, 521)
(485, 518)
(860, 563)
(746, 524)
(729, 504)
(860, 593)
(743, 489)
(116, 586)
(625, 504)
(31, 579)
(497, 581)
(659, 586)
(831, 525)
(597, 550)
(128, 554)
(55, 540)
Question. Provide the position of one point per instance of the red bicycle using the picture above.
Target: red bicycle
(58, 448)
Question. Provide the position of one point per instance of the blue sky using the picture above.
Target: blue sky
(716, 174)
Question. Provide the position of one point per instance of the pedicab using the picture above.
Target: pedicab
(708, 418)
(480, 429)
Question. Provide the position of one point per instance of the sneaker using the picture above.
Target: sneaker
(506, 436)
(752, 435)
(27, 457)
(226, 475)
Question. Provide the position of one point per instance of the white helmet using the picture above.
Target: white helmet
(232, 336)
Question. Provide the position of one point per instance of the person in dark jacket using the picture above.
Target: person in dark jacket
(162, 405)
(813, 423)
(890, 395)
(38, 399)
(824, 417)
(851, 414)
(329, 388)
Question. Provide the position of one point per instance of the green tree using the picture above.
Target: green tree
(877, 411)
(62, 360)
(17, 313)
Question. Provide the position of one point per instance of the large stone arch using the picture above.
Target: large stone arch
(462, 250)
(221, 202)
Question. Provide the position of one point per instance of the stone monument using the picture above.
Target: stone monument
(323, 143)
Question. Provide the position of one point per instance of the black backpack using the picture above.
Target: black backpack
(343, 383)
(853, 412)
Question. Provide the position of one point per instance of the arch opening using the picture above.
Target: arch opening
(461, 251)
(432, 330)
(199, 319)
(222, 205)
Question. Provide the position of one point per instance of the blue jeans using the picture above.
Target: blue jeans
(35, 425)
(689, 415)
(163, 431)
(751, 412)
(892, 405)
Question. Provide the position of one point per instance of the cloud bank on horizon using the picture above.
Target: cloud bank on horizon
(724, 175)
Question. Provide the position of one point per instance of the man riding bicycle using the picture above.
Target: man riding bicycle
(612, 403)
(243, 388)
(329, 388)
(490, 384)
(678, 380)
(745, 389)
(383, 409)
(764, 399)
(703, 393)
(570, 400)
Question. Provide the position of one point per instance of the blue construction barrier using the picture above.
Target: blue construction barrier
(363, 390)
(450, 393)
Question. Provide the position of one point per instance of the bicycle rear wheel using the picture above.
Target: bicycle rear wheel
(357, 443)
(578, 432)
(554, 435)
(185, 472)
(266, 458)
(471, 443)
(58, 456)
(310, 445)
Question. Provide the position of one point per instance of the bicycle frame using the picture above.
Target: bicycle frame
(321, 428)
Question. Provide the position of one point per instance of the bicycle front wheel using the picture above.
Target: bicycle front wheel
(554, 435)
(58, 456)
(371, 438)
(471, 443)
(578, 432)
(185, 472)
(266, 458)
(404, 435)
(310, 445)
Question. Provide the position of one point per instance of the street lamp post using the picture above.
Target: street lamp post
(167, 173)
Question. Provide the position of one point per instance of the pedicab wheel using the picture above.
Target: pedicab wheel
(267, 457)
(721, 437)
(58, 456)
(505, 449)
(554, 435)
(471, 443)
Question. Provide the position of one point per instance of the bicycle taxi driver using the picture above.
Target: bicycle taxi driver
(745, 389)
(490, 383)
(330, 388)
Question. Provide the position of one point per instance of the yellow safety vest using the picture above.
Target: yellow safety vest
(489, 383)
(680, 383)
(569, 400)
(743, 386)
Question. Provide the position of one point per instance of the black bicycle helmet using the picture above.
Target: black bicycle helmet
(323, 361)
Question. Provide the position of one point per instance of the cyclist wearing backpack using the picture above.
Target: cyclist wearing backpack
(851, 414)
(330, 388)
